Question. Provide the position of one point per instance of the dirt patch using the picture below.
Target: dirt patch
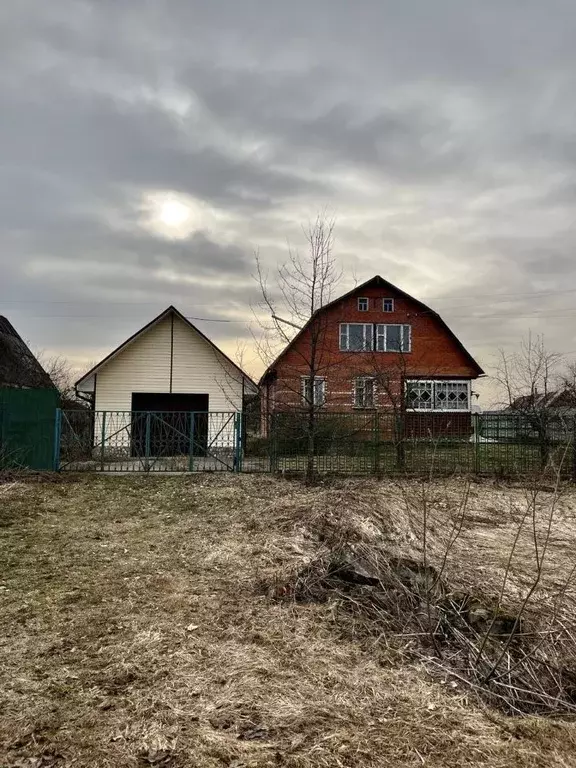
(138, 628)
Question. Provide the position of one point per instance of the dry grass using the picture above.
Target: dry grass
(478, 584)
(135, 631)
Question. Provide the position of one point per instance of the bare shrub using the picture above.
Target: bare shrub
(411, 582)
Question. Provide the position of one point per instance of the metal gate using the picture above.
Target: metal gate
(149, 441)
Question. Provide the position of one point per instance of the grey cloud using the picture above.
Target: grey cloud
(129, 263)
(97, 139)
(440, 134)
(214, 257)
(407, 144)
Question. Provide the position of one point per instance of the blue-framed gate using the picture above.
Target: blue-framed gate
(148, 441)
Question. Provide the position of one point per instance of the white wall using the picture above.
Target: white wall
(143, 366)
(199, 368)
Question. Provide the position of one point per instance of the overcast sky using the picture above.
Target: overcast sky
(148, 147)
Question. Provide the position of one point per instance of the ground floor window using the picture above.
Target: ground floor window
(313, 390)
(364, 392)
(420, 395)
(440, 395)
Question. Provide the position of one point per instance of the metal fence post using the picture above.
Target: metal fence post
(476, 436)
(235, 444)
(574, 449)
(399, 440)
(191, 449)
(376, 435)
(272, 441)
(147, 443)
(102, 441)
(57, 439)
(238, 442)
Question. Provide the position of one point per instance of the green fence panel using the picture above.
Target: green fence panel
(27, 428)
(365, 442)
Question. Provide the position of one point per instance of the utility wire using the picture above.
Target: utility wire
(546, 313)
(493, 296)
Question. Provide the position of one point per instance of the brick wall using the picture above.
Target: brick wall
(434, 354)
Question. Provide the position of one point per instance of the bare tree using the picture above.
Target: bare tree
(530, 379)
(301, 286)
(60, 371)
(63, 376)
(234, 378)
(568, 380)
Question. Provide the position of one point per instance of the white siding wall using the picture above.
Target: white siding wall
(144, 366)
(199, 368)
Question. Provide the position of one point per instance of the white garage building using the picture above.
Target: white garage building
(171, 369)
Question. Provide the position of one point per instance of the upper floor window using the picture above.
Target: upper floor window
(313, 394)
(356, 337)
(393, 338)
(388, 305)
(364, 392)
(365, 337)
(363, 304)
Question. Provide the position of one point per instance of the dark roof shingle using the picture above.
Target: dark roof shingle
(18, 366)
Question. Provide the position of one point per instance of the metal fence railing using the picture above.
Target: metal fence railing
(377, 443)
(150, 441)
(384, 443)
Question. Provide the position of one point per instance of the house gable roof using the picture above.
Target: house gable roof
(378, 282)
(18, 366)
(556, 398)
(171, 310)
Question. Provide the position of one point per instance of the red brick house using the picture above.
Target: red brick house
(375, 349)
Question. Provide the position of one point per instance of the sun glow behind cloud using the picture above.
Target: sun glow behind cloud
(172, 215)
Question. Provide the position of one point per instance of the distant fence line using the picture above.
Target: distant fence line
(360, 443)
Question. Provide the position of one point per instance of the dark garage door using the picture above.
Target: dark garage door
(163, 424)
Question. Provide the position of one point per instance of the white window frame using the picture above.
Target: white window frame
(429, 384)
(360, 381)
(318, 380)
(384, 305)
(434, 408)
(382, 333)
(362, 299)
(367, 334)
(447, 383)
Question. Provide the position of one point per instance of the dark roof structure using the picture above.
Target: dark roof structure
(540, 401)
(18, 366)
(378, 282)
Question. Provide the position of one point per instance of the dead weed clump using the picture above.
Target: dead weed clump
(409, 576)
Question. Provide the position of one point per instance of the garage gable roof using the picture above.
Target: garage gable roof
(171, 310)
